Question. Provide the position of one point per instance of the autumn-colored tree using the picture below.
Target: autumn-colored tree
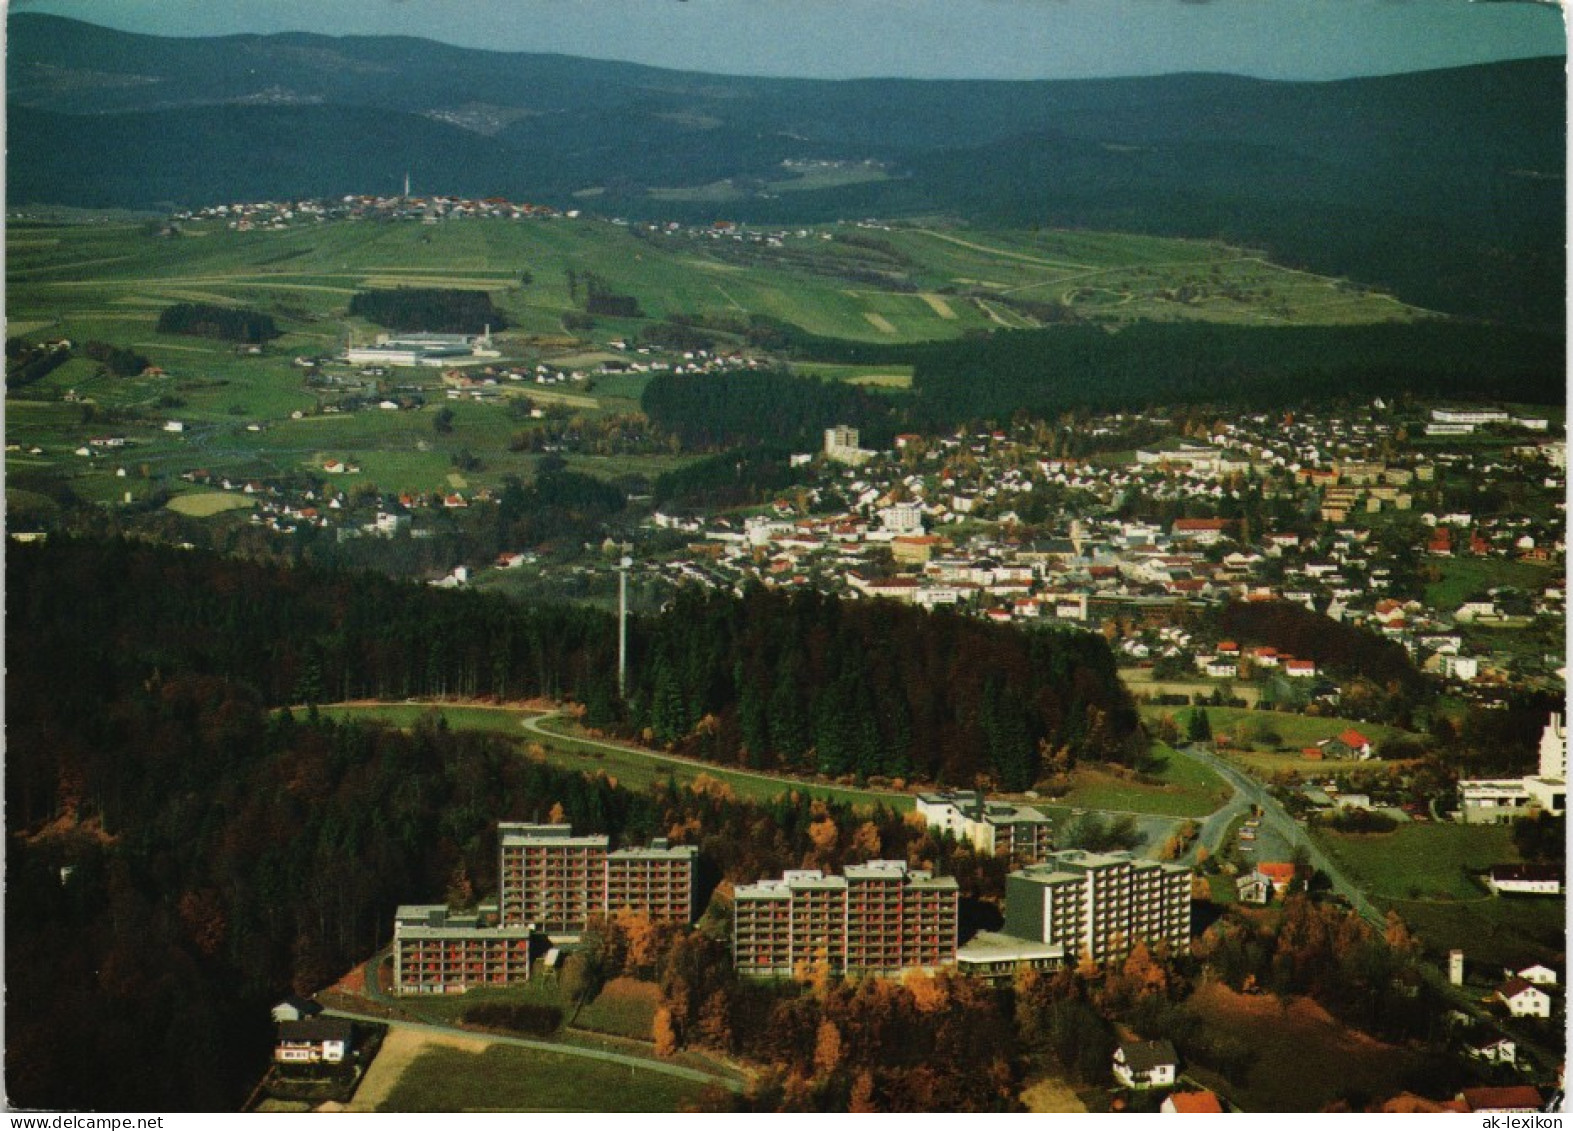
(861, 1099)
(558, 815)
(866, 841)
(1086, 965)
(708, 785)
(714, 1029)
(643, 939)
(929, 993)
(827, 1049)
(1143, 975)
(664, 1033)
(202, 914)
(824, 835)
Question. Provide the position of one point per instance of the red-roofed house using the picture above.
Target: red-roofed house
(1300, 669)
(1279, 874)
(1356, 742)
(1407, 1103)
(1191, 1103)
(1512, 1097)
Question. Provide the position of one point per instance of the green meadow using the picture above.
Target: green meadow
(506, 1078)
(108, 281)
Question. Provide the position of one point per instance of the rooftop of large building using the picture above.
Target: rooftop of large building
(514, 834)
(431, 920)
(991, 946)
(813, 879)
(1074, 863)
(658, 849)
(974, 806)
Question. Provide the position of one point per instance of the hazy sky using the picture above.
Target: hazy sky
(1014, 39)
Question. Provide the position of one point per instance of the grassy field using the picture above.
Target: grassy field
(1187, 789)
(1183, 789)
(206, 504)
(1302, 1059)
(1421, 860)
(1052, 1096)
(1238, 732)
(504, 1078)
(1139, 681)
(1461, 577)
(1497, 932)
(109, 282)
(1421, 871)
(624, 1008)
(629, 767)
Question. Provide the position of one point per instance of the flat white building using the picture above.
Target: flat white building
(997, 828)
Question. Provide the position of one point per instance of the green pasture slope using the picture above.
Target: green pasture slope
(1425, 872)
(110, 280)
(504, 1078)
(116, 276)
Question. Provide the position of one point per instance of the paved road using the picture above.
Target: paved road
(533, 725)
(1248, 791)
(647, 1065)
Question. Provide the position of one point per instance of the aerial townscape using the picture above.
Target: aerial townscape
(1034, 581)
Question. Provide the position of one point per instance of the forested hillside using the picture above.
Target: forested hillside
(1048, 371)
(807, 682)
(802, 681)
(1097, 367)
(179, 855)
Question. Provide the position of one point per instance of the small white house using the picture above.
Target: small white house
(320, 1041)
(1525, 879)
(1537, 975)
(1139, 1065)
(1492, 1049)
(1524, 999)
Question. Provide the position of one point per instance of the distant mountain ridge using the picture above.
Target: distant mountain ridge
(1445, 186)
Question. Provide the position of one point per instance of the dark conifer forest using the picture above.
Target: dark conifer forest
(432, 310)
(205, 320)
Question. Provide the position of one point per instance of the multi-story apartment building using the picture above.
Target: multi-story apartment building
(998, 828)
(878, 917)
(549, 877)
(658, 881)
(437, 951)
(1099, 904)
(550, 881)
(558, 881)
